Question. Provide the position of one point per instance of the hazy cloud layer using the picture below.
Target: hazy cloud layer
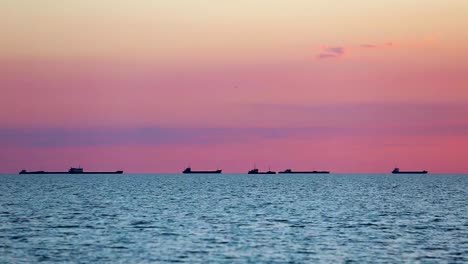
(293, 122)
(59, 137)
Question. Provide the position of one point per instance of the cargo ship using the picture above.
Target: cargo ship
(70, 171)
(255, 171)
(190, 171)
(398, 171)
(289, 171)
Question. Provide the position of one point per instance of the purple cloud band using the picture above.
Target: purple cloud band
(317, 122)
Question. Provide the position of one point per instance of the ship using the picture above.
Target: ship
(189, 170)
(72, 170)
(289, 171)
(255, 171)
(398, 171)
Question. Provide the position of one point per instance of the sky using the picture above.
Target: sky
(155, 86)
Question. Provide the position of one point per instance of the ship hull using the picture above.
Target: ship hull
(305, 172)
(66, 172)
(203, 172)
(262, 173)
(410, 172)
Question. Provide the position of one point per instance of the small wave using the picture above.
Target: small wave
(280, 220)
(197, 252)
(20, 220)
(297, 226)
(367, 224)
(118, 247)
(421, 227)
(140, 222)
(65, 226)
(304, 252)
(168, 234)
(175, 261)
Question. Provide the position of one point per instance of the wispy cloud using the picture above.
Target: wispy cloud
(336, 50)
(331, 52)
(373, 46)
(368, 46)
(326, 56)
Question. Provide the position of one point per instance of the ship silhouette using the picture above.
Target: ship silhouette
(189, 170)
(289, 171)
(398, 171)
(72, 170)
(255, 171)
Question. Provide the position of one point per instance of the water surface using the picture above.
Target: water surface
(234, 218)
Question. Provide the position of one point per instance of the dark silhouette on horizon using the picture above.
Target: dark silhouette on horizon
(398, 171)
(71, 171)
(189, 170)
(289, 171)
(255, 171)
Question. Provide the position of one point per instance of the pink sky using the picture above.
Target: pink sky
(153, 87)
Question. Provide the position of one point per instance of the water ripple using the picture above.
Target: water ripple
(234, 218)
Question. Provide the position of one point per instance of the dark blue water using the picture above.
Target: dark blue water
(234, 218)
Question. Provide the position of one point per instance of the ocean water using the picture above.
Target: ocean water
(234, 218)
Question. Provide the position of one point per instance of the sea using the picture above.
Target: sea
(234, 218)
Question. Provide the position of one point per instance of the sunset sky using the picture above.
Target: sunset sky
(155, 86)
